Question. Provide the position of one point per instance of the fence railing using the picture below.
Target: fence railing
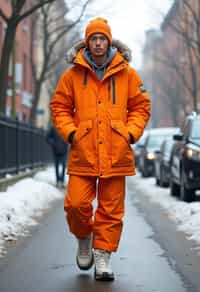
(21, 146)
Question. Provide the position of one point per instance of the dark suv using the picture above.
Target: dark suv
(185, 160)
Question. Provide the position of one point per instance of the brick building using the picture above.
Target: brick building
(19, 65)
(175, 64)
(55, 12)
(150, 72)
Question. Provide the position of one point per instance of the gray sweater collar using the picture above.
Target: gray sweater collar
(100, 69)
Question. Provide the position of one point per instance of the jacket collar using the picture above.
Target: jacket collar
(78, 47)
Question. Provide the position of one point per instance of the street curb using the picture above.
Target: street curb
(5, 182)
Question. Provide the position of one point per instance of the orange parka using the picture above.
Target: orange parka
(102, 112)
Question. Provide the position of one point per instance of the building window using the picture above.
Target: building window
(1, 34)
(24, 72)
(3, 27)
(195, 31)
(23, 117)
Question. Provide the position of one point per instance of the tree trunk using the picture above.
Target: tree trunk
(4, 66)
(38, 87)
(194, 88)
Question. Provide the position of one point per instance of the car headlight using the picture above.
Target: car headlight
(150, 156)
(191, 153)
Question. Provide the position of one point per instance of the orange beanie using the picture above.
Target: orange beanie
(98, 25)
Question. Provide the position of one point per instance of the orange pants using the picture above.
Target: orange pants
(106, 224)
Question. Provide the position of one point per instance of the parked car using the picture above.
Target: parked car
(185, 160)
(137, 148)
(152, 144)
(162, 162)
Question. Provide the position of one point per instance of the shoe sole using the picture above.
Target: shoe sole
(85, 268)
(104, 277)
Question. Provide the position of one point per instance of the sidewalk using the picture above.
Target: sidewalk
(46, 261)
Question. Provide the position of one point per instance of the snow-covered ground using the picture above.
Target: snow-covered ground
(185, 215)
(23, 202)
(28, 198)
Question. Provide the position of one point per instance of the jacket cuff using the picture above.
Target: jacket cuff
(131, 139)
(71, 137)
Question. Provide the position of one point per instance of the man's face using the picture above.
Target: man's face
(98, 45)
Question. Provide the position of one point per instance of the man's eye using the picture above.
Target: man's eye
(93, 39)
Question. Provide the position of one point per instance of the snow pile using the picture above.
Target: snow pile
(23, 202)
(185, 215)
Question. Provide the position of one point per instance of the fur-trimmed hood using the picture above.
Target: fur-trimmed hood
(121, 47)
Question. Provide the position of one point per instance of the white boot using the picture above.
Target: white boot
(84, 256)
(103, 269)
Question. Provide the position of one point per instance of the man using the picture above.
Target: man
(59, 149)
(99, 107)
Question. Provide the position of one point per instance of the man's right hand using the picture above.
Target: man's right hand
(71, 137)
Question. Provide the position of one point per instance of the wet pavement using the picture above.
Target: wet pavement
(46, 260)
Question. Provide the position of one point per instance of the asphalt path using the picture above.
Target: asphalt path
(45, 260)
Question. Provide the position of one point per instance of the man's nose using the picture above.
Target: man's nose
(98, 41)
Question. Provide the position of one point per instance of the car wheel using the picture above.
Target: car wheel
(174, 189)
(157, 182)
(163, 183)
(161, 177)
(186, 195)
(144, 171)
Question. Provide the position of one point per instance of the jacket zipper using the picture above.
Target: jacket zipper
(109, 89)
(113, 91)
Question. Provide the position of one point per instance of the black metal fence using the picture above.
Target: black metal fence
(21, 146)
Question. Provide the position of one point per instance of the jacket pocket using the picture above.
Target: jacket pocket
(121, 152)
(82, 148)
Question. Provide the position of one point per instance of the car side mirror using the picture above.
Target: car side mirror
(157, 152)
(178, 137)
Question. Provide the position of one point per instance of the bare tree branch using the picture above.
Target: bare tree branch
(17, 7)
(52, 35)
(12, 23)
(60, 16)
(171, 62)
(5, 18)
(33, 9)
(183, 26)
(33, 67)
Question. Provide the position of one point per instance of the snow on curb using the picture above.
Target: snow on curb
(185, 215)
(22, 202)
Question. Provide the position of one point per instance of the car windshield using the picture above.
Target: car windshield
(196, 130)
(168, 147)
(155, 141)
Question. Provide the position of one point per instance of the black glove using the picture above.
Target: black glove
(131, 139)
(71, 137)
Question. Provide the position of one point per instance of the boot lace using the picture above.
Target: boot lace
(84, 247)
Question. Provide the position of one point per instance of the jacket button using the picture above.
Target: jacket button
(99, 122)
(101, 174)
(100, 142)
(99, 101)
